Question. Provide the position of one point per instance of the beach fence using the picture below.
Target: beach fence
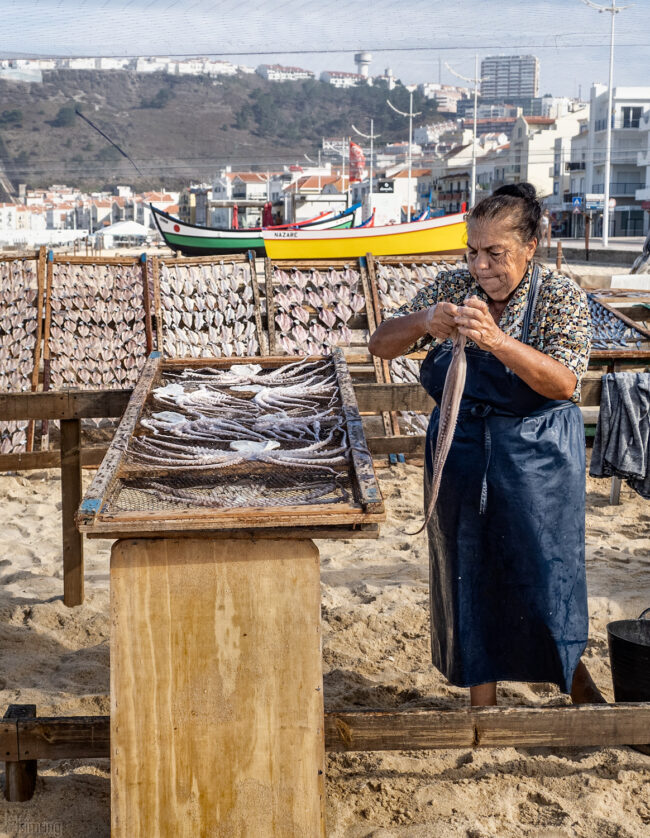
(75, 332)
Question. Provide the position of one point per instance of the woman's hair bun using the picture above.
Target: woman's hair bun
(518, 190)
(515, 201)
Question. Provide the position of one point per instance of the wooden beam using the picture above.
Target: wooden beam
(403, 444)
(375, 398)
(20, 776)
(87, 737)
(91, 456)
(521, 727)
(64, 404)
(71, 494)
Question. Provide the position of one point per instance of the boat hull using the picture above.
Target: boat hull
(191, 240)
(438, 235)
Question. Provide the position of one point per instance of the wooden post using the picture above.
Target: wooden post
(615, 491)
(20, 775)
(270, 305)
(558, 258)
(216, 689)
(146, 302)
(49, 273)
(71, 494)
(587, 226)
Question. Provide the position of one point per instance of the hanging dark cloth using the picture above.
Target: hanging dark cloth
(506, 543)
(622, 441)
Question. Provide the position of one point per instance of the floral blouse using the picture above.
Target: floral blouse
(560, 326)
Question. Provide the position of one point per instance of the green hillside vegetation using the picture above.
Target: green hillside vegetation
(178, 129)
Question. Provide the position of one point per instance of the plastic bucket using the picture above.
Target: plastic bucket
(629, 655)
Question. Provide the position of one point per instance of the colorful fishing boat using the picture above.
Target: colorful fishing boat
(446, 234)
(192, 240)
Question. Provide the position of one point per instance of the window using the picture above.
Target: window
(631, 117)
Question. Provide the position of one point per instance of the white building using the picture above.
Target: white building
(219, 68)
(276, 72)
(81, 64)
(643, 162)
(338, 78)
(628, 142)
(152, 65)
(508, 76)
(446, 96)
(112, 63)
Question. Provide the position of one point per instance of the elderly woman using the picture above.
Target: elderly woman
(506, 541)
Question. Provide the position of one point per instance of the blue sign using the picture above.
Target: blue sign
(577, 202)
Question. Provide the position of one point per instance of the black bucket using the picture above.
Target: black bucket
(629, 655)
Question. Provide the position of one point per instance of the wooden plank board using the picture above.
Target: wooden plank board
(71, 494)
(261, 334)
(216, 689)
(494, 727)
(146, 303)
(115, 454)
(64, 404)
(91, 456)
(40, 308)
(87, 737)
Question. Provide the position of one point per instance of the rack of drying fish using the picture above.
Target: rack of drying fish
(313, 307)
(613, 331)
(21, 314)
(228, 444)
(206, 308)
(393, 283)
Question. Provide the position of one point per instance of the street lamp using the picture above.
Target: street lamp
(476, 80)
(372, 137)
(613, 10)
(410, 116)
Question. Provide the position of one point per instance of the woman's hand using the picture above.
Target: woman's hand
(441, 320)
(473, 319)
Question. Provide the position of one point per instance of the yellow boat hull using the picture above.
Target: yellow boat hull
(437, 235)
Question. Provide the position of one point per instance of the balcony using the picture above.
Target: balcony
(575, 166)
(618, 188)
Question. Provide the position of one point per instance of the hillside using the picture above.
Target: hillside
(177, 129)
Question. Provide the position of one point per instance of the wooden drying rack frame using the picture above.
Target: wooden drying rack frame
(367, 508)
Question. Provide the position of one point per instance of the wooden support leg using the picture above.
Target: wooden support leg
(216, 689)
(20, 775)
(615, 491)
(71, 493)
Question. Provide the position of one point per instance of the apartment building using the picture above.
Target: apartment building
(507, 76)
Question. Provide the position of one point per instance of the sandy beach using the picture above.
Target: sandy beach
(376, 655)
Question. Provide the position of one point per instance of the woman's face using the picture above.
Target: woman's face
(496, 257)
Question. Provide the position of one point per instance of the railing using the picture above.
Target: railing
(619, 188)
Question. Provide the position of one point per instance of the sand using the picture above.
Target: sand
(376, 655)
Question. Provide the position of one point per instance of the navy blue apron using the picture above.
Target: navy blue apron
(506, 541)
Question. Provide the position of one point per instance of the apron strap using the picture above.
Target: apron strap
(533, 293)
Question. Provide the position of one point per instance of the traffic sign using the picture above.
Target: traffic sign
(594, 201)
(577, 203)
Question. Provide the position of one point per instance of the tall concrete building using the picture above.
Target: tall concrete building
(508, 76)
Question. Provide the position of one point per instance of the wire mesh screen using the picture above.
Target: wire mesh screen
(316, 309)
(208, 310)
(97, 328)
(230, 488)
(18, 334)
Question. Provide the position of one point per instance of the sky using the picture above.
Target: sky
(415, 38)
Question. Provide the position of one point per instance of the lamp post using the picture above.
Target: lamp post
(613, 10)
(476, 80)
(372, 137)
(410, 116)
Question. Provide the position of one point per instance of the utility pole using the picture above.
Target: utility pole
(613, 10)
(410, 116)
(476, 80)
(372, 137)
